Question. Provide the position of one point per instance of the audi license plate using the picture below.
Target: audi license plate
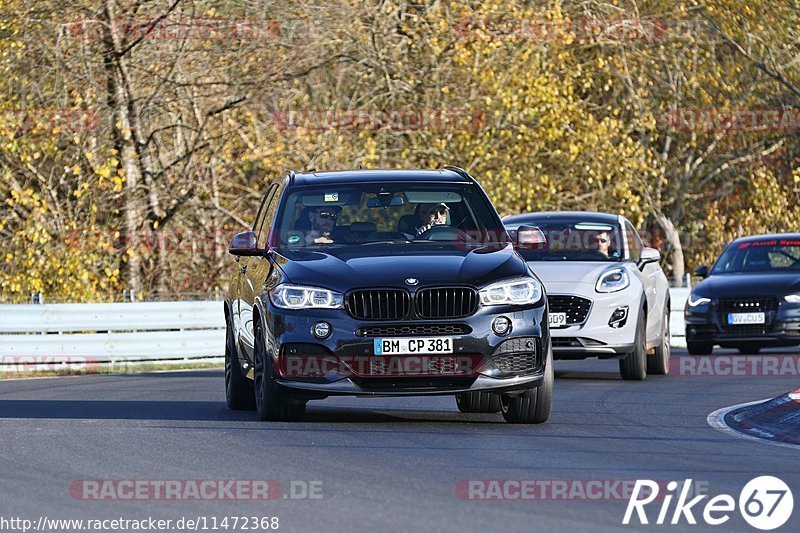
(401, 346)
(745, 318)
(557, 319)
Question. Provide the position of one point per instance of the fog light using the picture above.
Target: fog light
(501, 325)
(618, 317)
(321, 330)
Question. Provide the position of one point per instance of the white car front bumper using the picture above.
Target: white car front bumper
(594, 337)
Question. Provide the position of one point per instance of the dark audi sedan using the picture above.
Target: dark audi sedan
(750, 299)
(384, 283)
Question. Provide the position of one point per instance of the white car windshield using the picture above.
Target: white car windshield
(571, 239)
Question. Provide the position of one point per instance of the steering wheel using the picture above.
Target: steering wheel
(443, 233)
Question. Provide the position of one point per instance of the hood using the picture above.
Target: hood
(749, 284)
(570, 271)
(346, 268)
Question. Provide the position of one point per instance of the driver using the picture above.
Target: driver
(603, 242)
(431, 215)
(323, 220)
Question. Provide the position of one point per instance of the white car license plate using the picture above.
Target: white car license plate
(746, 318)
(557, 319)
(403, 346)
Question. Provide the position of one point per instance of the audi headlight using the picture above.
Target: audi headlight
(520, 291)
(792, 298)
(695, 300)
(300, 297)
(613, 281)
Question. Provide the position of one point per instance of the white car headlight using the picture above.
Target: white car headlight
(300, 297)
(613, 281)
(792, 298)
(518, 291)
(695, 300)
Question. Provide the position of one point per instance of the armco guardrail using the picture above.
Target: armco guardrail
(113, 332)
(146, 331)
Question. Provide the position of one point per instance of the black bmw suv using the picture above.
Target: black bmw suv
(750, 299)
(384, 283)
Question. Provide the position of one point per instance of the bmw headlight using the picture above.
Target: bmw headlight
(519, 291)
(695, 300)
(613, 281)
(792, 298)
(300, 297)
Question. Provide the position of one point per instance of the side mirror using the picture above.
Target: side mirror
(244, 244)
(701, 271)
(649, 255)
(530, 237)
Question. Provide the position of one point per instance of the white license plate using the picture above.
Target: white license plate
(428, 345)
(746, 318)
(557, 319)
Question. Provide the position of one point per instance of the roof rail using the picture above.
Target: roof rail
(292, 174)
(460, 171)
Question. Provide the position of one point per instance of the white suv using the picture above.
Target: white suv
(607, 294)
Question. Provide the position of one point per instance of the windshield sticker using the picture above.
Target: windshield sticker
(331, 196)
(757, 243)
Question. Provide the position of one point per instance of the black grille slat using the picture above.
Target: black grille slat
(378, 304)
(747, 305)
(576, 308)
(446, 302)
(408, 330)
(756, 304)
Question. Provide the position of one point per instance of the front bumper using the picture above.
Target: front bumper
(706, 324)
(510, 363)
(593, 337)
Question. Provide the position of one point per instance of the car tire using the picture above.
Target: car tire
(534, 406)
(478, 402)
(699, 348)
(239, 392)
(658, 363)
(633, 367)
(271, 403)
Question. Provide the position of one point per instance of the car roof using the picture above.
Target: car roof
(766, 236)
(588, 216)
(388, 175)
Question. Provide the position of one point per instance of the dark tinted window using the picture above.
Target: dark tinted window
(396, 213)
(769, 255)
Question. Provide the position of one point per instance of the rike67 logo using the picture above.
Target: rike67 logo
(765, 503)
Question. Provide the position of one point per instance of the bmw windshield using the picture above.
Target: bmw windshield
(572, 239)
(360, 214)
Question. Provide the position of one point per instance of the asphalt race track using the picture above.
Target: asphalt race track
(380, 464)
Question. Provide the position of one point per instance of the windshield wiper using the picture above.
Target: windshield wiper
(395, 241)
